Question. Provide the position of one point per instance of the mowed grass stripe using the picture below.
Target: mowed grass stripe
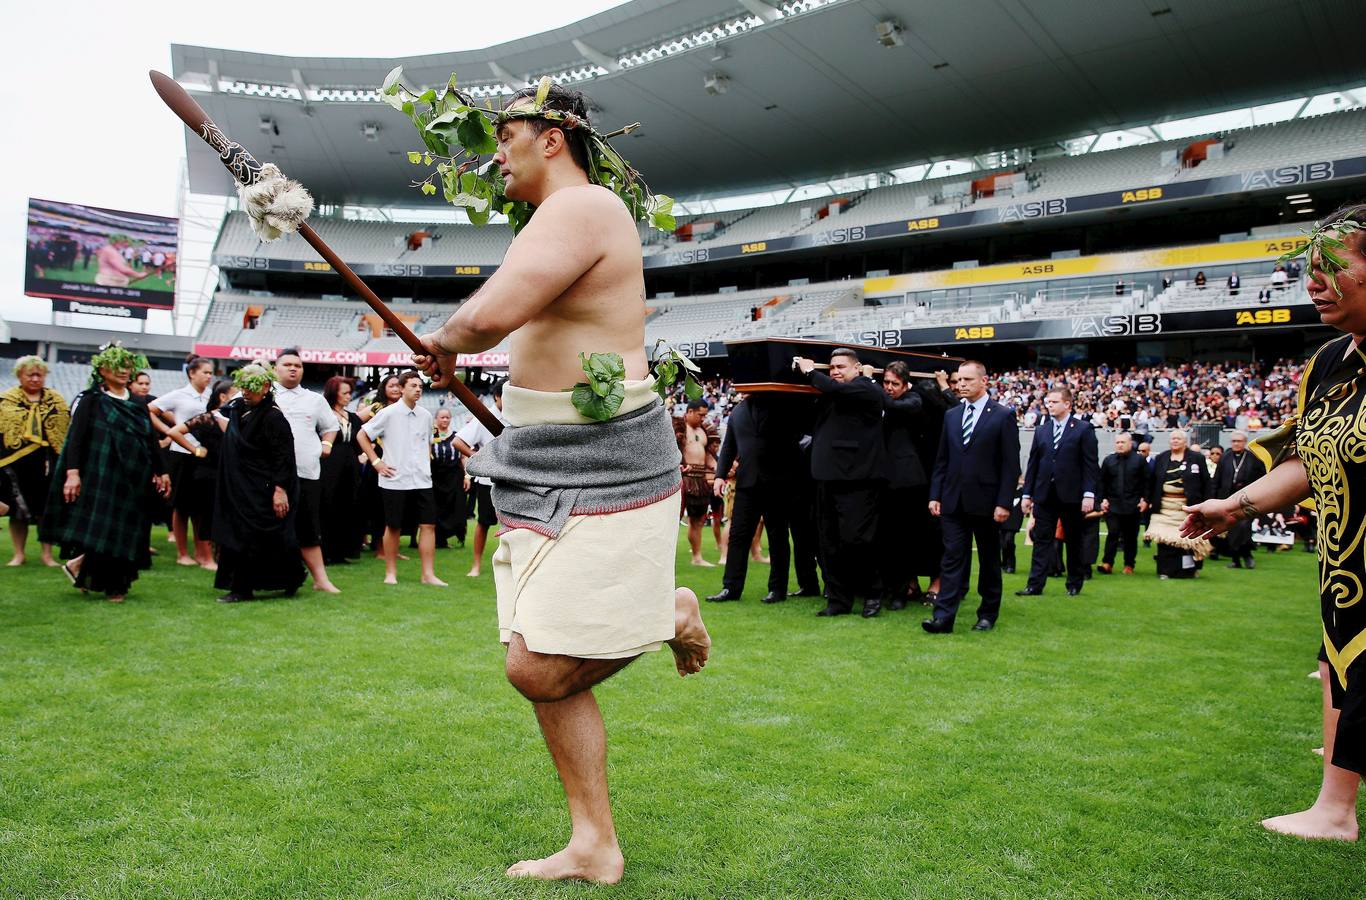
(1121, 743)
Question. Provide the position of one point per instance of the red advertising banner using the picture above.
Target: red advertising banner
(489, 359)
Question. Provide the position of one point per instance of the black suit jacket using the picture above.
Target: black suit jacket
(765, 437)
(847, 442)
(900, 418)
(1068, 473)
(1226, 484)
(1194, 478)
(981, 476)
(1124, 481)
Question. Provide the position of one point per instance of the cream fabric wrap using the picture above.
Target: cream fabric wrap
(603, 589)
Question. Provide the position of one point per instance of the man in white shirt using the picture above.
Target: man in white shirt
(405, 475)
(168, 411)
(315, 428)
(469, 440)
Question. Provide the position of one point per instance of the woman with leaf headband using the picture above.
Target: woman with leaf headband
(33, 423)
(258, 488)
(99, 508)
(586, 474)
(1318, 453)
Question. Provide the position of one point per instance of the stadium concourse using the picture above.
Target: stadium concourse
(1069, 245)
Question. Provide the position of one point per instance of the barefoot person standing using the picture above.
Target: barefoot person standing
(1318, 452)
(585, 566)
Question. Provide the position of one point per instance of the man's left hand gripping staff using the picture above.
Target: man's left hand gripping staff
(436, 363)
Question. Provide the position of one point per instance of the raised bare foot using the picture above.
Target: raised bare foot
(699, 561)
(691, 644)
(326, 587)
(1316, 825)
(602, 865)
(186, 561)
(434, 581)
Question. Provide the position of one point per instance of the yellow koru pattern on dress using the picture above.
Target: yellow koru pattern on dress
(26, 426)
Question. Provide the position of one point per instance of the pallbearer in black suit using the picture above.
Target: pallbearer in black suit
(1236, 470)
(1061, 481)
(975, 473)
(904, 511)
(847, 462)
(764, 434)
(1123, 498)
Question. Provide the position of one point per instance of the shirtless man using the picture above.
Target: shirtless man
(699, 443)
(573, 282)
(113, 270)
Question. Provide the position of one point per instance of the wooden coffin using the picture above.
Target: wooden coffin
(765, 364)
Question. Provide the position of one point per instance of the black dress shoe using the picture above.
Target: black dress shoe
(804, 592)
(774, 597)
(1234, 565)
(871, 608)
(1008, 570)
(1073, 592)
(833, 611)
(895, 603)
(938, 626)
(1028, 592)
(724, 596)
(1250, 563)
(984, 625)
(235, 598)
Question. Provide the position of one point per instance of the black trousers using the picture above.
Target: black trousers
(1238, 541)
(899, 529)
(769, 501)
(1008, 549)
(846, 523)
(960, 530)
(1047, 514)
(801, 523)
(1121, 530)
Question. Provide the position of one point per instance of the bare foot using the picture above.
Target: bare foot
(434, 581)
(472, 573)
(209, 566)
(721, 561)
(117, 598)
(16, 561)
(1318, 751)
(1316, 674)
(50, 562)
(761, 560)
(186, 561)
(600, 865)
(391, 579)
(1315, 824)
(691, 643)
(699, 561)
(326, 587)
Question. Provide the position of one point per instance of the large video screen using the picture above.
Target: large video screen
(89, 255)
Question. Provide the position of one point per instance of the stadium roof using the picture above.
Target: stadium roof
(811, 93)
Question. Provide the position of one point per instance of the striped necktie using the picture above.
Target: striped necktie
(968, 412)
(1057, 435)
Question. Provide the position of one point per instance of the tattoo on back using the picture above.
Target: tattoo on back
(1246, 506)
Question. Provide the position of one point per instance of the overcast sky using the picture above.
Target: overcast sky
(83, 125)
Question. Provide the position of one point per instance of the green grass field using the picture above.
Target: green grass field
(1120, 744)
(81, 275)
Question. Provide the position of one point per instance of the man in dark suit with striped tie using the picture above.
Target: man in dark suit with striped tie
(1061, 481)
(972, 490)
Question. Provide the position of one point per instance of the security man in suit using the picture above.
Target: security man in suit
(765, 437)
(1123, 499)
(1061, 481)
(848, 464)
(975, 473)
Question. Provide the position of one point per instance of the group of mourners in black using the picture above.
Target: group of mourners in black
(218, 459)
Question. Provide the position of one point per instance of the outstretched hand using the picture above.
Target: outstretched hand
(1209, 518)
(436, 363)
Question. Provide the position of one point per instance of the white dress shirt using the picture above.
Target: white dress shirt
(407, 435)
(476, 435)
(183, 403)
(309, 417)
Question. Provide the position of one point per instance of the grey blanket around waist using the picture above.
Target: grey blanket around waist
(543, 474)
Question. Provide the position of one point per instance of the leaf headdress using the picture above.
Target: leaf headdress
(457, 133)
(1325, 244)
(114, 356)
